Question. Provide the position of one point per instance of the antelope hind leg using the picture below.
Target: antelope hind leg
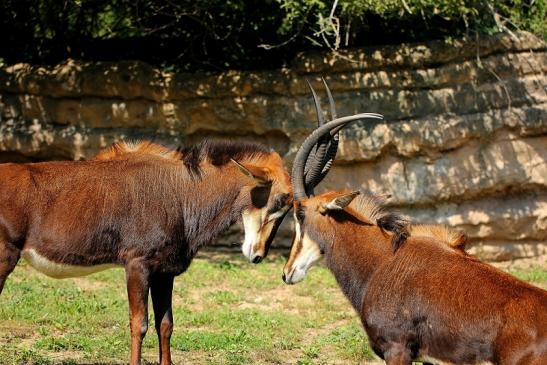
(162, 291)
(9, 256)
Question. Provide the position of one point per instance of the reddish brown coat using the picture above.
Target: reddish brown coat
(427, 299)
(140, 206)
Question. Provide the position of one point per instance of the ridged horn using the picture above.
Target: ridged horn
(312, 164)
(331, 101)
(299, 188)
(326, 147)
(332, 147)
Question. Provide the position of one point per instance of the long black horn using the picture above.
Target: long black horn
(317, 103)
(299, 188)
(331, 101)
(315, 162)
(325, 149)
(332, 147)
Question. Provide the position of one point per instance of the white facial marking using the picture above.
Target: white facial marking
(251, 225)
(296, 227)
(309, 255)
(59, 270)
(278, 214)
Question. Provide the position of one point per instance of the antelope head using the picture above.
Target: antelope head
(271, 192)
(308, 244)
(269, 199)
(305, 250)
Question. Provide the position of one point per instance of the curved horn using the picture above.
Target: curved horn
(316, 161)
(317, 103)
(331, 100)
(299, 188)
(320, 120)
(332, 147)
(326, 147)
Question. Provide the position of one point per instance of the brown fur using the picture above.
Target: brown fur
(427, 299)
(141, 206)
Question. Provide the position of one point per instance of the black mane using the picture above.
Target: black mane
(219, 152)
(376, 209)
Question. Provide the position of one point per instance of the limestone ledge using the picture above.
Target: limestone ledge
(473, 170)
(464, 141)
(405, 67)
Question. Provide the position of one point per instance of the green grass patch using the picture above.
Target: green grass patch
(226, 311)
(535, 275)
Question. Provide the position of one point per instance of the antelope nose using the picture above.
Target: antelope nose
(284, 277)
(257, 259)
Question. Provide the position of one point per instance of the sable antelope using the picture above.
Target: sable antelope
(142, 207)
(148, 209)
(418, 294)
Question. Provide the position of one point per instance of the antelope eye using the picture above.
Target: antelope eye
(260, 195)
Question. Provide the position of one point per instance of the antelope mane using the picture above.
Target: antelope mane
(125, 148)
(453, 238)
(375, 209)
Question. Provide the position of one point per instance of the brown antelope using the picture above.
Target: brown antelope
(417, 292)
(148, 209)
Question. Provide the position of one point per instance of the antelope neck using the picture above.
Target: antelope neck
(218, 205)
(354, 258)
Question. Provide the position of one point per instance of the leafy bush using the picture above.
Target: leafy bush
(219, 34)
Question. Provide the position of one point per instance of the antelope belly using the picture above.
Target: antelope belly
(59, 270)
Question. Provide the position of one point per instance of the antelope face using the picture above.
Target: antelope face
(311, 163)
(270, 200)
(305, 252)
(312, 214)
(261, 224)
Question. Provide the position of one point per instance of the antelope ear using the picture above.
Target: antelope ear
(259, 174)
(340, 202)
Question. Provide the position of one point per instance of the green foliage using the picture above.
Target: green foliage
(215, 34)
(525, 14)
(418, 19)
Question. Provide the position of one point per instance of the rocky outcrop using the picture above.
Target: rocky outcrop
(464, 141)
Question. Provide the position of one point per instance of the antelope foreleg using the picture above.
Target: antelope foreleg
(138, 285)
(162, 290)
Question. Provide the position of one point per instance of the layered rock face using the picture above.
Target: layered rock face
(464, 141)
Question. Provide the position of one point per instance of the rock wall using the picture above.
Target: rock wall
(464, 141)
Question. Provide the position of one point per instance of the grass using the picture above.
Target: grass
(226, 311)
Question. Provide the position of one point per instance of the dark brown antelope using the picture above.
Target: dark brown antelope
(419, 295)
(148, 209)
(142, 207)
